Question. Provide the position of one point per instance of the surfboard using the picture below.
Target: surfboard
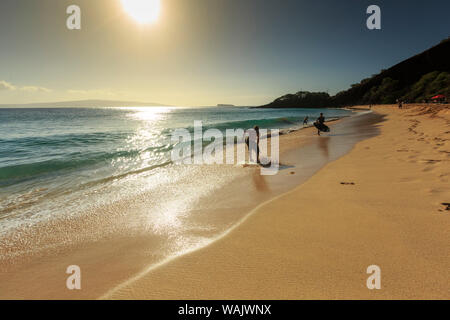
(321, 127)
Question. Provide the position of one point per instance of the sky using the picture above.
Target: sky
(205, 52)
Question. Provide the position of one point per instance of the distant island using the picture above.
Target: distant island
(226, 105)
(84, 103)
(417, 79)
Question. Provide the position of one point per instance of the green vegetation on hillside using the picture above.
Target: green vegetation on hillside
(429, 85)
(413, 80)
(303, 99)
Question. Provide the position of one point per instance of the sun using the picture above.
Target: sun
(143, 11)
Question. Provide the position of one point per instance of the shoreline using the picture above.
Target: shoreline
(119, 250)
(299, 247)
(291, 151)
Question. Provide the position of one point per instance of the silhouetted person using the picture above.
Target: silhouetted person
(321, 121)
(305, 122)
(257, 143)
(247, 142)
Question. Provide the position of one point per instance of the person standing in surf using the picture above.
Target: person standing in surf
(257, 144)
(247, 142)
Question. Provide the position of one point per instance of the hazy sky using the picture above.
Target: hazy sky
(205, 52)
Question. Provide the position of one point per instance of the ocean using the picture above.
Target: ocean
(61, 163)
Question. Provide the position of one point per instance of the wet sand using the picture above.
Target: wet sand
(123, 253)
(382, 204)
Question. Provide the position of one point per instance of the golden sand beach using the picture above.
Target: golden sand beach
(381, 204)
(309, 232)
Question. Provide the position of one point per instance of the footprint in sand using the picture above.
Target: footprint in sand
(446, 205)
(432, 191)
(432, 161)
(348, 183)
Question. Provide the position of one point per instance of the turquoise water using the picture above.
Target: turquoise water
(60, 161)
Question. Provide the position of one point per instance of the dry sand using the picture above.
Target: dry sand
(317, 241)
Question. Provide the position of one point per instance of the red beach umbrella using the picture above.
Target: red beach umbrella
(439, 96)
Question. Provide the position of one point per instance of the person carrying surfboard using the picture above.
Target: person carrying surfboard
(320, 124)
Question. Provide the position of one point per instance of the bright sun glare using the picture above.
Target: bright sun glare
(143, 11)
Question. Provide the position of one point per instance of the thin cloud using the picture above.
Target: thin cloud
(6, 86)
(96, 92)
(35, 89)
